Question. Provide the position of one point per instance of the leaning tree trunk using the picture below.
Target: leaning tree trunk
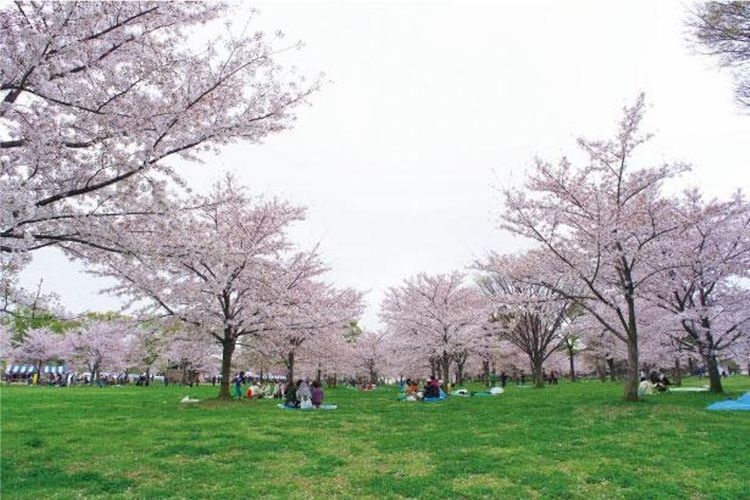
(226, 369)
(714, 376)
(536, 373)
(677, 372)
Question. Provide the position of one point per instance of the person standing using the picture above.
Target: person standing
(238, 384)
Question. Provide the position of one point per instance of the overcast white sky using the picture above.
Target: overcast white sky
(433, 104)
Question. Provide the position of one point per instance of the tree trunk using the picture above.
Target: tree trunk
(486, 372)
(432, 367)
(148, 375)
(460, 373)
(290, 367)
(226, 369)
(536, 373)
(611, 366)
(677, 372)
(601, 371)
(446, 362)
(713, 373)
(571, 355)
(318, 375)
(634, 379)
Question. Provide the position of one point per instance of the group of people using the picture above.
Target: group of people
(655, 382)
(303, 395)
(256, 389)
(432, 389)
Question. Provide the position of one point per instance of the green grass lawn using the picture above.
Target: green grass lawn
(569, 441)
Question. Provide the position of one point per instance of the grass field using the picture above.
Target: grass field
(569, 441)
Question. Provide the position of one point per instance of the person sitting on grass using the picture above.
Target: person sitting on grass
(646, 388)
(317, 394)
(662, 383)
(290, 396)
(431, 389)
(303, 391)
(412, 388)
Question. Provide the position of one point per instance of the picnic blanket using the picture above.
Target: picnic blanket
(322, 407)
(741, 403)
(688, 389)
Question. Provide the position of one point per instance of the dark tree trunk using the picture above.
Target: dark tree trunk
(714, 376)
(634, 379)
(486, 372)
(446, 366)
(536, 373)
(226, 368)
(691, 365)
(318, 375)
(677, 372)
(460, 372)
(571, 356)
(290, 368)
(148, 375)
(611, 366)
(432, 367)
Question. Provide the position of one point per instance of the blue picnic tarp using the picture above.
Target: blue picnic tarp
(741, 403)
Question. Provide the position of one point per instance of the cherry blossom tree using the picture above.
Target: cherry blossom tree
(97, 98)
(226, 268)
(211, 268)
(704, 304)
(310, 316)
(192, 353)
(604, 225)
(5, 343)
(370, 353)
(40, 346)
(148, 344)
(99, 346)
(722, 29)
(438, 314)
(530, 316)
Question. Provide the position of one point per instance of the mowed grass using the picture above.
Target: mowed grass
(567, 441)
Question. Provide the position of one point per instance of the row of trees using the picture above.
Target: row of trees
(617, 266)
(98, 98)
